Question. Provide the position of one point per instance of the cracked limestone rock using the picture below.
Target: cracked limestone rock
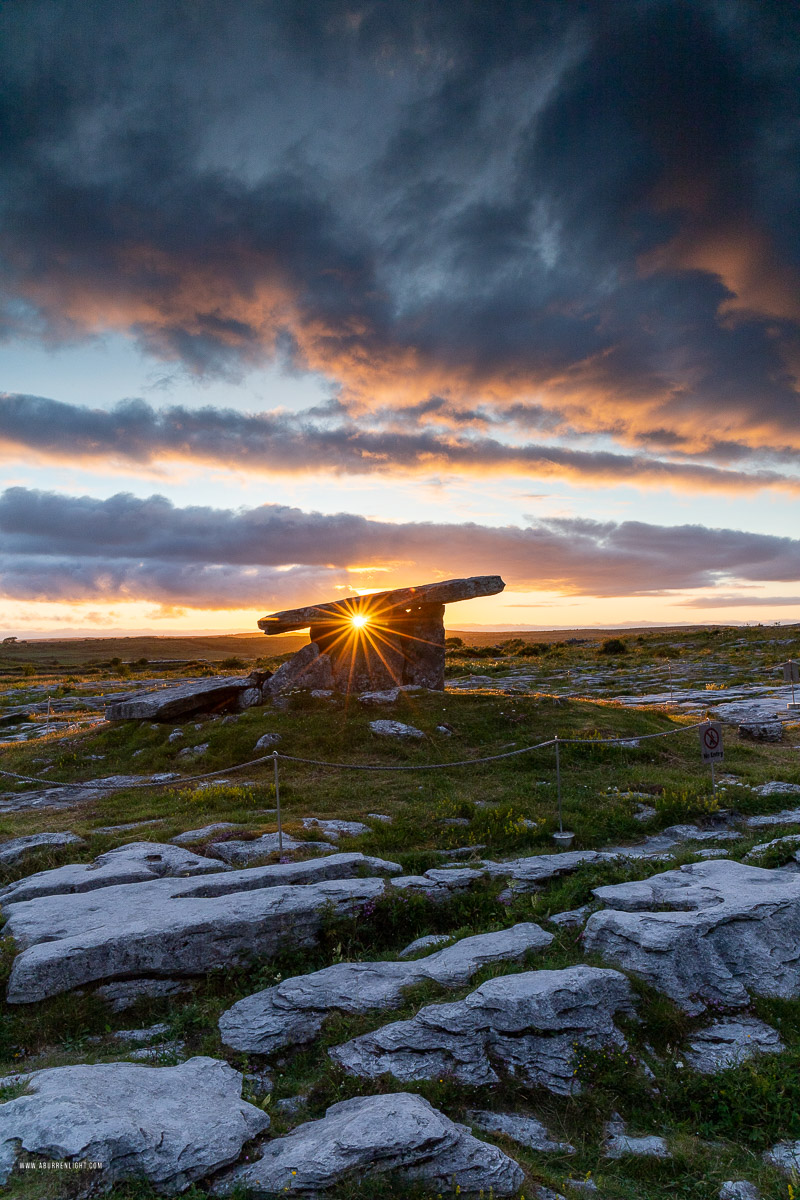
(134, 863)
(16, 848)
(171, 1125)
(525, 1025)
(710, 931)
(785, 1157)
(293, 1011)
(527, 1131)
(176, 927)
(739, 1189)
(728, 1043)
(619, 1144)
(395, 729)
(371, 1136)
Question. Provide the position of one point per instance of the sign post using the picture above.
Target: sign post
(711, 749)
(791, 674)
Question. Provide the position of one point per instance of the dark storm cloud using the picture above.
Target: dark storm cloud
(59, 547)
(133, 432)
(591, 202)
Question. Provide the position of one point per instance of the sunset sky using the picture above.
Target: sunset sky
(308, 297)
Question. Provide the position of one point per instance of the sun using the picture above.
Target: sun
(359, 620)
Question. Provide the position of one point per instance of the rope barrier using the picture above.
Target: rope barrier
(314, 762)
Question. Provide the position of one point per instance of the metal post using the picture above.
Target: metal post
(558, 784)
(278, 803)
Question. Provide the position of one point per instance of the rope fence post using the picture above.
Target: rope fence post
(278, 802)
(558, 785)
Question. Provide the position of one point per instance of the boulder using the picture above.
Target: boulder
(177, 927)
(739, 1189)
(372, 1136)
(785, 1157)
(762, 731)
(728, 1043)
(267, 741)
(525, 1025)
(395, 729)
(16, 848)
(714, 931)
(294, 1010)
(527, 1131)
(214, 694)
(619, 1144)
(168, 1125)
(134, 863)
(307, 669)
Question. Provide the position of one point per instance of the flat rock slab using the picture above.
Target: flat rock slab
(16, 848)
(71, 795)
(293, 1012)
(527, 1131)
(193, 696)
(240, 853)
(203, 834)
(526, 1025)
(787, 816)
(730, 930)
(170, 1125)
(134, 863)
(445, 592)
(175, 927)
(372, 1136)
(336, 829)
(396, 729)
(728, 1043)
(619, 1144)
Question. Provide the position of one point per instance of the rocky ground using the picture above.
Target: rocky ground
(421, 995)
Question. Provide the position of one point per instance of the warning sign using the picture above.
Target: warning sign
(711, 742)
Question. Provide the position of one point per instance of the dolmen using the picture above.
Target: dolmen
(370, 643)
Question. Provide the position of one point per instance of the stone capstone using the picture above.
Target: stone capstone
(710, 931)
(372, 1136)
(211, 695)
(134, 863)
(525, 1025)
(527, 1131)
(728, 1043)
(168, 1125)
(177, 927)
(16, 848)
(294, 1010)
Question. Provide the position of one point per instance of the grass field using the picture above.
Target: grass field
(718, 1126)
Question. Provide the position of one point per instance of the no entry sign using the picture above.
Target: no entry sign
(711, 742)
